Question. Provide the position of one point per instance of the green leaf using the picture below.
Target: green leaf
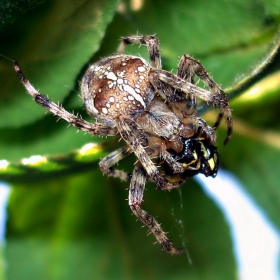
(66, 220)
(52, 44)
(11, 10)
(84, 231)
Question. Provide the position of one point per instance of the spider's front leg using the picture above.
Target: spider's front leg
(189, 67)
(162, 81)
(136, 191)
(76, 121)
(187, 74)
(150, 41)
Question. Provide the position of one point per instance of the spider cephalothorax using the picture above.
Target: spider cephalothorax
(154, 112)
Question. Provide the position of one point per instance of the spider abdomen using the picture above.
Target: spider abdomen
(117, 85)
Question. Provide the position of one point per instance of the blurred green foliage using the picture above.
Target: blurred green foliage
(74, 223)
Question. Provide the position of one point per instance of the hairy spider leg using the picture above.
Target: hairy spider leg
(218, 121)
(125, 127)
(150, 41)
(136, 191)
(189, 67)
(113, 158)
(175, 165)
(186, 72)
(218, 99)
(76, 121)
(107, 162)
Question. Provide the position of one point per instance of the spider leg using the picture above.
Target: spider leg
(205, 128)
(59, 111)
(126, 128)
(107, 162)
(187, 74)
(218, 121)
(176, 166)
(150, 41)
(216, 98)
(136, 191)
(189, 67)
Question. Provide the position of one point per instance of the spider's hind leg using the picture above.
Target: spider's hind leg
(136, 191)
(107, 162)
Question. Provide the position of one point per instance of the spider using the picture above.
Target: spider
(154, 112)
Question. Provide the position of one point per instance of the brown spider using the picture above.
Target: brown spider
(154, 112)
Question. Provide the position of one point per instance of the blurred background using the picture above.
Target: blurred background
(62, 219)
